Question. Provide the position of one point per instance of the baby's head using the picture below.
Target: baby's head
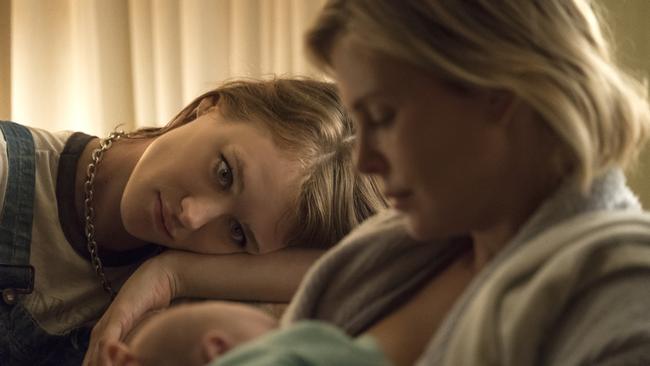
(190, 334)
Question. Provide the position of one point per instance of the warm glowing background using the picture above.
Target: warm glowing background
(630, 24)
(92, 64)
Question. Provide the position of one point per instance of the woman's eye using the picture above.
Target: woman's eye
(237, 233)
(224, 174)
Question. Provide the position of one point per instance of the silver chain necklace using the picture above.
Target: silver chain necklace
(89, 211)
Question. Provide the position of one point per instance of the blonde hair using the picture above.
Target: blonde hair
(551, 54)
(306, 121)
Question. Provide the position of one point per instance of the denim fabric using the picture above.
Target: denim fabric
(17, 212)
(22, 341)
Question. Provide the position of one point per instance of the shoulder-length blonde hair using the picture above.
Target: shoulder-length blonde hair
(551, 54)
(308, 122)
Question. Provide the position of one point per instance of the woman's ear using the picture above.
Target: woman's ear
(116, 353)
(214, 343)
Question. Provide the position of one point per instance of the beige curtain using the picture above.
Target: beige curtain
(5, 59)
(92, 64)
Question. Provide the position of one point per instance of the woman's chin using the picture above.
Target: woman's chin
(421, 228)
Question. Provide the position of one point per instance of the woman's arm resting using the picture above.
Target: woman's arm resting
(272, 277)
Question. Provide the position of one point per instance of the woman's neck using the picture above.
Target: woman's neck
(112, 174)
(487, 244)
(516, 210)
(537, 166)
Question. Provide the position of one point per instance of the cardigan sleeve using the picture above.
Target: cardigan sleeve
(607, 324)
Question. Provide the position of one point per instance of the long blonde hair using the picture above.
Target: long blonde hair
(552, 54)
(307, 122)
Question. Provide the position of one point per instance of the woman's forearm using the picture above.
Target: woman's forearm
(270, 277)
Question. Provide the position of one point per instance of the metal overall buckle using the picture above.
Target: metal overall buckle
(10, 294)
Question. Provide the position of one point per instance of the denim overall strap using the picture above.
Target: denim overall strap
(22, 340)
(16, 275)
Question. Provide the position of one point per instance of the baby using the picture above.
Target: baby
(190, 334)
(201, 333)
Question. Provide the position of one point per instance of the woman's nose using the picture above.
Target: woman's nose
(369, 159)
(198, 211)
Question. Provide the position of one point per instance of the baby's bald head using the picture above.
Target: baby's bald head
(194, 334)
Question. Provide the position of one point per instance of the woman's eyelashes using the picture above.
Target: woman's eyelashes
(225, 177)
(237, 233)
(224, 173)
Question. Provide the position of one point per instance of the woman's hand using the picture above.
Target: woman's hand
(152, 286)
(272, 277)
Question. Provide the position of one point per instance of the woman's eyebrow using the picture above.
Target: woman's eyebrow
(360, 104)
